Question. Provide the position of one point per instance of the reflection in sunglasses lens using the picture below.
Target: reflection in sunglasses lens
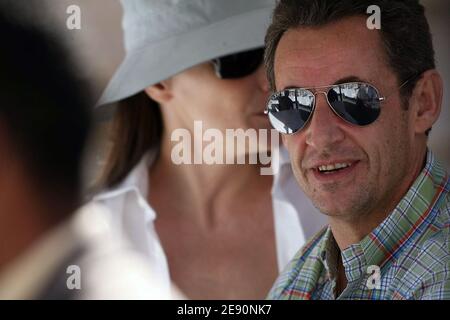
(355, 102)
(290, 110)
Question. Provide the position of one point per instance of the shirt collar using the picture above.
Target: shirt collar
(136, 180)
(136, 183)
(409, 219)
(327, 253)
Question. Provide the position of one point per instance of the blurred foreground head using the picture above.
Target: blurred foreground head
(44, 115)
(44, 124)
(50, 249)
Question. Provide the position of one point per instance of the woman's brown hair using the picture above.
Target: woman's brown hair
(137, 127)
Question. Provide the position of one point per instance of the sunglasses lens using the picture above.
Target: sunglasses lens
(357, 103)
(239, 65)
(289, 110)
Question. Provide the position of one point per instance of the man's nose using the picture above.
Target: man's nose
(323, 130)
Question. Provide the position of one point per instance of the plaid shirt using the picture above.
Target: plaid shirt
(406, 257)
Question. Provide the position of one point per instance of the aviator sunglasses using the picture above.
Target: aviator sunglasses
(238, 65)
(357, 103)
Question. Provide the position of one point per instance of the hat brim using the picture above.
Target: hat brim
(158, 61)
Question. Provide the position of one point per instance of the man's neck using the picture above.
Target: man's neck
(347, 232)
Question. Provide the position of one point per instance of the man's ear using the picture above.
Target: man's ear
(160, 92)
(427, 101)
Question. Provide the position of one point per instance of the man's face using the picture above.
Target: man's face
(379, 154)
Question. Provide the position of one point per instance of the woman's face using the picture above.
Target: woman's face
(198, 94)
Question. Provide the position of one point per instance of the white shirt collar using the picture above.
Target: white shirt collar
(137, 182)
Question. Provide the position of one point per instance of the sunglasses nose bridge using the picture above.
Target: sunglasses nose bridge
(325, 93)
(316, 92)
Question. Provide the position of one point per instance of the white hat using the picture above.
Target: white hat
(165, 37)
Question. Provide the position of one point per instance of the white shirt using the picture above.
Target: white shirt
(296, 219)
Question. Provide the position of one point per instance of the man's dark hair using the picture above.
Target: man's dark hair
(404, 32)
(43, 106)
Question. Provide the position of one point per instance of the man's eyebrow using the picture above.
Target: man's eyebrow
(349, 79)
(339, 81)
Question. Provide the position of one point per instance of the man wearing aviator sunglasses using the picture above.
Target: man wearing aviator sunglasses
(355, 107)
(357, 103)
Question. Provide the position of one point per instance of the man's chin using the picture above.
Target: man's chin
(333, 209)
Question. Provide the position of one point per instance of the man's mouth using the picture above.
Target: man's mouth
(333, 167)
(332, 171)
